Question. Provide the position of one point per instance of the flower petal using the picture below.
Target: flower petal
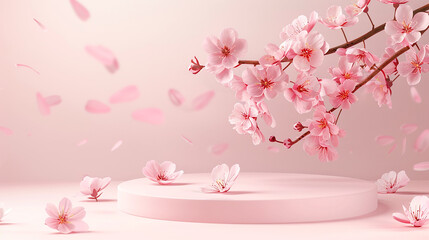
(202, 100)
(422, 141)
(421, 166)
(94, 106)
(218, 149)
(126, 94)
(408, 128)
(400, 217)
(176, 97)
(80, 10)
(153, 116)
(116, 146)
(384, 140)
(415, 95)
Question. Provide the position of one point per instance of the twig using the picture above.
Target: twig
(344, 34)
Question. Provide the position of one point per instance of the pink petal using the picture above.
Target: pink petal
(80, 10)
(6, 130)
(415, 95)
(105, 56)
(150, 115)
(26, 66)
(82, 142)
(176, 97)
(218, 149)
(126, 94)
(421, 166)
(40, 24)
(51, 210)
(53, 100)
(384, 140)
(202, 100)
(392, 148)
(408, 128)
(116, 146)
(94, 106)
(187, 140)
(273, 149)
(404, 145)
(43, 105)
(422, 141)
(400, 217)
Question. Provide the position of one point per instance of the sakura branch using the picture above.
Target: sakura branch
(305, 48)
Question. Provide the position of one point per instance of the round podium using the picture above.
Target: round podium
(254, 198)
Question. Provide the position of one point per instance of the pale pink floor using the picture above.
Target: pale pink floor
(26, 221)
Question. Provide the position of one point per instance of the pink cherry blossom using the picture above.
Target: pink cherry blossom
(223, 75)
(344, 96)
(335, 18)
(394, 1)
(307, 52)
(240, 88)
(304, 93)
(323, 125)
(414, 66)
(417, 214)
(163, 173)
(324, 149)
(345, 71)
(358, 56)
(299, 24)
(243, 117)
(380, 89)
(65, 218)
(92, 187)
(357, 8)
(392, 67)
(390, 182)
(4, 211)
(406, 26)
(223, 178)
(264, 82)
(274, 55)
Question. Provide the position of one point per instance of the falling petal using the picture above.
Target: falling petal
(392, 148)
(273, 149)
(202, 100)
(94, 106)
(80, 10)
(26, 66)
(415, 95)
(421, 166)
(40, 24)
(126, 94)
(53, 100)
(422, 141)
(117, 144)
(150, 115)
(384, 140)
(408, 128)
(104, 56)
(44, 107)
(176, 97)
(404, 145)
(218, 149)
(6, 131)
(82, 142)
(187, 140)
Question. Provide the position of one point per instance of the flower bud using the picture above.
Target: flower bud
(195, 66)
(272, 139)
(288, 143)
(298, 126)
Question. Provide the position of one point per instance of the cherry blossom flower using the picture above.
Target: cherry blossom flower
(358, 55)
(380, 89)
(299, 24)
(243, 117)
(264, 82)
(240, 88)
(324, 149)
(65, 218)
(394, 1)
(3, 211)
(417, 214)
(414, 66)
(274, 55)
(304, 93)
(390, 182)
(344, 96)
(93, 186)
(336, 19)
(357, 8)
(223, 178)
(223, 75)
(195, 66)
(323, 125)
(392, 67)
(345, 71)
(406, 26)
(163, 173)
(307, 51)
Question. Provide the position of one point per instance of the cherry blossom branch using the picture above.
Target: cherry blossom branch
(347, 44)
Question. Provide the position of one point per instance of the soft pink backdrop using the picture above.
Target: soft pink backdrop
(154, 41)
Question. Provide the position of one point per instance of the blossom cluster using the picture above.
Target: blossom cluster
(310, 91)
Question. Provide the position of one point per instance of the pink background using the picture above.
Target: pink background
(154, 41)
